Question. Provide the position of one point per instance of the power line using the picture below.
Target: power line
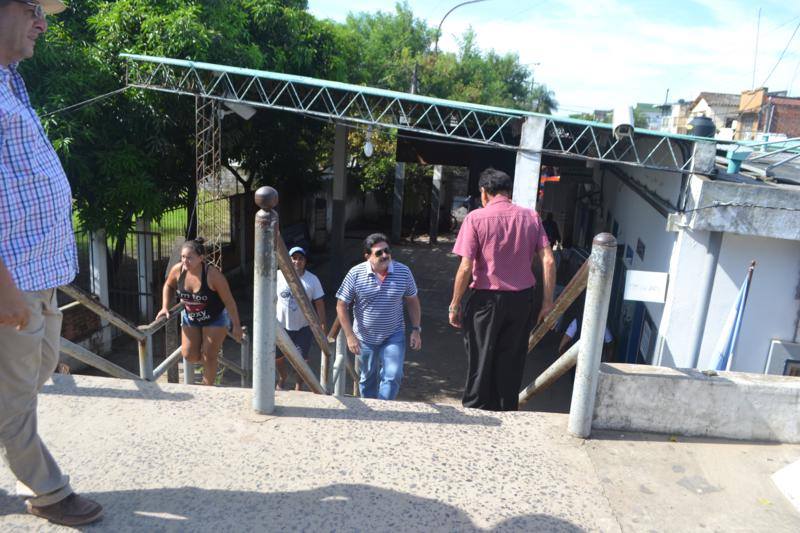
(780, 58)
(782, 54)
(85, 102)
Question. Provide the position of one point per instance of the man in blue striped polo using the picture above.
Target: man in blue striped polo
(377, 289)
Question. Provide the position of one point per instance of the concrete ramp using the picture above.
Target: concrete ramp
(164, 457)
(190, 458)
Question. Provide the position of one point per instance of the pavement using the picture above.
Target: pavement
(169, 457)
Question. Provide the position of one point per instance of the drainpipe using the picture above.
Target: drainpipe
(736, 158)
(706, 284)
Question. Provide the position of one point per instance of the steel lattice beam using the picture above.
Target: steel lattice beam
(211, 213)
(367, 106)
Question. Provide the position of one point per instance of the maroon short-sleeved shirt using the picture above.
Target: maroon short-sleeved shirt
(502, 240)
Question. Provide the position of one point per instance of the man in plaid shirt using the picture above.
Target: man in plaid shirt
(37, 254)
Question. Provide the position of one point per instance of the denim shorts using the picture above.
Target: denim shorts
(302, 340)
(222, 321)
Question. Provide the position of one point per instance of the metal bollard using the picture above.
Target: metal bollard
(264, 300)
(598, 295)
(339, 366)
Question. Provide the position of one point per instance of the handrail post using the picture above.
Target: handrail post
(324, 370)
(598, 295)
(247, 363)
(146, 358)
(264, 301)
(339, 366)
(188, 372)
(356, 380)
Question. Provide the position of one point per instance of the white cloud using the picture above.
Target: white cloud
(593, 60)
(597, 54)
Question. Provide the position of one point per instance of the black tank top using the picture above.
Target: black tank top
(203, 306)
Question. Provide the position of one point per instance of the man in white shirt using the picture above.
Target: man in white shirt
(291, 316)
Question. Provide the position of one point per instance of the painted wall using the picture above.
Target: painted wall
(772, 306)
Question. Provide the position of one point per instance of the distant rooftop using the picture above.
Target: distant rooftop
(718, 99)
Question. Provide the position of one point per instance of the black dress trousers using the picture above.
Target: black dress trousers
(496, 329)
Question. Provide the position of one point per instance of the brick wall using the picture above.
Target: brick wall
(79, 324)
(786, 118)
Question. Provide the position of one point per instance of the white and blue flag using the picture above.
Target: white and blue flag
(722, 356)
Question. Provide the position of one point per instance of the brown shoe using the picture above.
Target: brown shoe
(73, 510)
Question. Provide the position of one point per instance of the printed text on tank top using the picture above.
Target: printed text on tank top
(202, 306)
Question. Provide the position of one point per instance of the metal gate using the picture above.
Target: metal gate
(136, 275)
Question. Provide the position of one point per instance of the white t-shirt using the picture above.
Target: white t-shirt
(288, 310)
(572, 329)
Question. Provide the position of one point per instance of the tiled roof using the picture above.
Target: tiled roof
(718, 99)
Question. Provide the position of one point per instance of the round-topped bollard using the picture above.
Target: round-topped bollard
(266, 198)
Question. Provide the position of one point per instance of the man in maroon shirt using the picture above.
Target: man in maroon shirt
(498, 246)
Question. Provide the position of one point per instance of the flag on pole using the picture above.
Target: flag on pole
(722, 356)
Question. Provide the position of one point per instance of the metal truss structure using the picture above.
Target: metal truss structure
(211, 212)
(449, 120)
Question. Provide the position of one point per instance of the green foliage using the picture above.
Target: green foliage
(387, 49)
(133, 153)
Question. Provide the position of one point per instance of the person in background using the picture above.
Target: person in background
(498, 246)
(291, 317)
(377, 289)
(573, 332)
(37, 255)
(209, 309)
(551, 229)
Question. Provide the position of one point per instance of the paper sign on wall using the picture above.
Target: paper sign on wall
(643, 286)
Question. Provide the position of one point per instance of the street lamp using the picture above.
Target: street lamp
(439, 29)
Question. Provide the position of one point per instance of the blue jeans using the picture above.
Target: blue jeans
(389, 355)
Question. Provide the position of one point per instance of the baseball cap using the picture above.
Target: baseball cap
(297, 249)
(51, 7)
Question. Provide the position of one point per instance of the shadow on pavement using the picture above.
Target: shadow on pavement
(66, 386)
(355, 409)
(331, 508)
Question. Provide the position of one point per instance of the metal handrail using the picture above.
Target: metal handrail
(144, 337)
(86, 299)
(157, 324)
(570, 293)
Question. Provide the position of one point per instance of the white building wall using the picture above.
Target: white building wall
(639, 220)
(772, 306)
(774, 302)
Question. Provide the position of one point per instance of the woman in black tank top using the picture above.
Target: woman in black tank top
(209, 309)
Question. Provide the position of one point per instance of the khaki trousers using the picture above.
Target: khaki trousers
(27, 360)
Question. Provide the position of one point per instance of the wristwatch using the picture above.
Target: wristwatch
(416, 328)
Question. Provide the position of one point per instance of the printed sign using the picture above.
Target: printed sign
(643, 286)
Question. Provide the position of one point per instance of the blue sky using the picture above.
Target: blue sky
(601, 53)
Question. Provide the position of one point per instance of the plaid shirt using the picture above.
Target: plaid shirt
(37, 243)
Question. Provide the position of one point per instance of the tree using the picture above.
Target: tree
(132, 154)
(387, 49)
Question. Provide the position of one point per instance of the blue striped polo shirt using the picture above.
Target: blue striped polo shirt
(377, 307)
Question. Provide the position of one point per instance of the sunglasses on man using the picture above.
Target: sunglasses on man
(38, 10)
(379, 253)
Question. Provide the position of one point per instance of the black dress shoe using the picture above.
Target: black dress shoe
(73, 510)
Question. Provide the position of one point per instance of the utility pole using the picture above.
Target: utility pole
(755, 53)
